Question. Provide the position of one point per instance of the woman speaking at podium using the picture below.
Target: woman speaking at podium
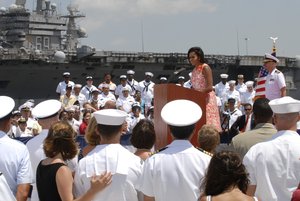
(202, 81)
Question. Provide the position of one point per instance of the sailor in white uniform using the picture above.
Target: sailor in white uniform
(275, 81)
(233, 93)
(146, 87)
(233, 112)
(248, 96)
(61, 87)
(110, 156)
(222, 87)
(175, 172)
(274, 165)
(135, 116)
(79, 96)
(88, 88)
(188, 84)
(241, 86)
(14, 161)
(47, 114)
(126, 101)
(132, 82)
(123, 83)
(105, 96)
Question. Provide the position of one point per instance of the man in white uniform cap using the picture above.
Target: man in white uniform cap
(249, 94)
(47, 113)
(274, 165)
(88, 88)
(14, 161)
(146, 87)
(275, 82)
(123, 83)
(176, 171)
(132, 82)
(233, 93)
(125, 101)
(110, 156)
(61, 87)
(241, 86)
(222, 87)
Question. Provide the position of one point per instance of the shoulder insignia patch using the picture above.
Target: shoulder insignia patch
(205, 152)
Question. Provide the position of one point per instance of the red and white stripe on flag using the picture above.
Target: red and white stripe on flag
(261, 83)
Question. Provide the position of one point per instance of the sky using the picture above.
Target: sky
(230, 27)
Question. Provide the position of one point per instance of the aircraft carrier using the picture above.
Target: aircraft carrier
(36, 47)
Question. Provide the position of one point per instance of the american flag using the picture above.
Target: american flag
(261, 83)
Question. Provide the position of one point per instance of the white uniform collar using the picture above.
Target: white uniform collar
(182, 143)
(284, 132)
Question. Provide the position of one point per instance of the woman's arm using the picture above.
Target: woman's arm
(207, 73)
(64, 182)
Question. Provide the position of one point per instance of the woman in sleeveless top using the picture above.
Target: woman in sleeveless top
(226, 179)
(54, 179)
(202, 81)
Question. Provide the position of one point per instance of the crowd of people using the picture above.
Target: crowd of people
(247, 150)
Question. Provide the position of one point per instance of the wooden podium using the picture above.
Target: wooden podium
(164, 93)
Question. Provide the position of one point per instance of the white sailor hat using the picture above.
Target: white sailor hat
(105, 85)
(96, 90)
(249, 83)
(285, 105)
(270, 57)
(16, 112)
(231, 82)
(46, 108)
(70, 109)
(136, 104)
(66, 74)
(225, 76)
(240, 76)
(69, 86)
(130, 72)
(89, 77)
(30, 103)
(149, 74)
(123, 77)
(111, 117)
(181, 78)
(7, 105)
(126, 88)
(77, 86)
(162, 78)
(181, 113)
(25, 107)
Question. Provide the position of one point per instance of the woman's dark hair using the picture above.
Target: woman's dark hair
(198, 51)
(143, 135)
(182, 132)
(61, 139)
(224, 172)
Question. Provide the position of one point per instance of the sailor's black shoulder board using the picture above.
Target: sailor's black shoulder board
(277, 71)
(157, 151)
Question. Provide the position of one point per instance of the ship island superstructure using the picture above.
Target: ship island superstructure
(37, 46)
